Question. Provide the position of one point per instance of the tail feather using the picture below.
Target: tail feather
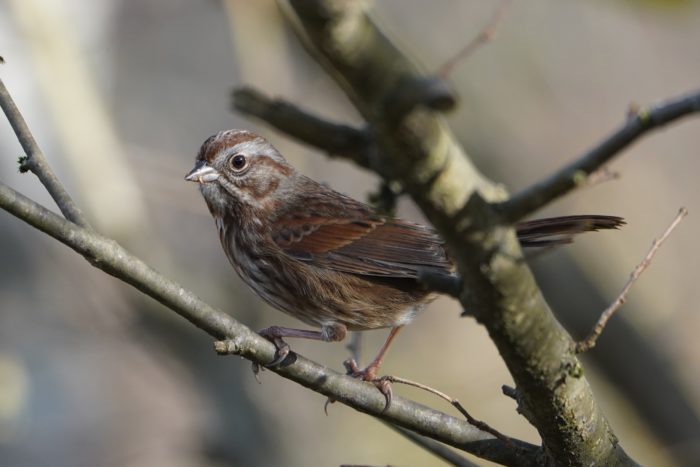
(561, 230)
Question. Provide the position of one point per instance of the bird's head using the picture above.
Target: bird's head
(237, 169)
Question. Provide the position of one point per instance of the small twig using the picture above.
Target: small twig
(485, 35)
(455, 403)
(510, 391)
(522, 409)
(590, 341)
(439, 449)
(576, 174)
(384, 199)
(36, 162)
(602, 175)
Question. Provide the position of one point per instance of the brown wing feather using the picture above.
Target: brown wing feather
(391, 249)
(336, 232)
(349, 237)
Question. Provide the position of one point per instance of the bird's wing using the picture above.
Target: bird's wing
(345, 235)
(336, 232)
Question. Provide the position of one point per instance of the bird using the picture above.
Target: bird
(331, 261)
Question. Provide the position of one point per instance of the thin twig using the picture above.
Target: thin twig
(485, 35)
(602, 175)
(440, 450)
(576, 174)
(590, 341)
(455, 403)
(36, 162)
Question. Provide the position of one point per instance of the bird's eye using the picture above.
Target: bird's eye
(239, 162)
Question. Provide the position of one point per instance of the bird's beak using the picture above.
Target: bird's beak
(202, 173)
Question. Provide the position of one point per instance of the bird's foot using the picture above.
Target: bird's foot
(282, 349)
(369, 374)
(273, 334)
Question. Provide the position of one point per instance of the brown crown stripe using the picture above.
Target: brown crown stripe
(224, 139)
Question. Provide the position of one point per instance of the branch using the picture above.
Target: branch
(36, 162)
(422, 154)
(485, 35)
(453, 401)
(576, 174)
(109, 256)
(441, 451)
(439, 282)
(334, 138)
(590, 341)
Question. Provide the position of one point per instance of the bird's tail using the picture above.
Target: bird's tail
(560, 230)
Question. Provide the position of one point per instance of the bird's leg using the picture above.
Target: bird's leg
(369, 373)
(329, 333)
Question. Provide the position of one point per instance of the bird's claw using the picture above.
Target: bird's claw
(282, 348)
(281, 352)
(384, 385)
(256, 371)
(369, 374)
(329, 401)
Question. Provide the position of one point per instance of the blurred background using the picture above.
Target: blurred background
(120, 94)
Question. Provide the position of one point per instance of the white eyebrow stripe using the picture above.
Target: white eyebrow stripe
(249, 147)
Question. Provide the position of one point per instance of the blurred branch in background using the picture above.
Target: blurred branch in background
(576, 174)
(334, 138)
(35, 161)
(105, 182)
(436, 448)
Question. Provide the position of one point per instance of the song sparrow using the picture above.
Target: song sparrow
(325, 258)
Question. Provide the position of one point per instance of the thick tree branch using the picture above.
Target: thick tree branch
(334, 138)
(109, 256)
(36, 162)
(640, 123)
(497, 287)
